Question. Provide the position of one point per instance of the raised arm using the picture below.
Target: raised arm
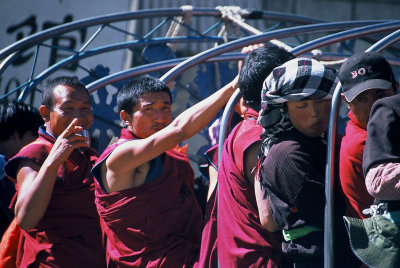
(35, 184)
(130, 155)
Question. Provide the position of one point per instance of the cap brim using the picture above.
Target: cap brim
(369, 84)
(375, 241)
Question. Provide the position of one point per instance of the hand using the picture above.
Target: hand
(66, 143)
(247, 50)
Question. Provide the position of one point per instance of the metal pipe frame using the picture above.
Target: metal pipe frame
(36, 38)
(157, 66)
(236, 56)
(162, 65)
(100, 50)
(303, 48)
(137, 43)
(277, 34)
(11, 52)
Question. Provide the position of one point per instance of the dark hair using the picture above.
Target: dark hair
(258, 64)
(18, 117)
(70, 81)
(129, 95)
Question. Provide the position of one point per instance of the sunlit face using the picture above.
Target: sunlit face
(151, 114)
(68, 103)
(310, 117)
(361, 105)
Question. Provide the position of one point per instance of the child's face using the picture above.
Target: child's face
(310, 117)
(362, 104)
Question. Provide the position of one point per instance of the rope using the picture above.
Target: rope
(176, 29)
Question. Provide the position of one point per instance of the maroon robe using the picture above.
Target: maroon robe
(156, 224)
(69, 233)
(208, 250)
(242, 240)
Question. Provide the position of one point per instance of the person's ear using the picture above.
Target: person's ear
(241, 107)
(345, 101)
(125, 117)
(44, 113)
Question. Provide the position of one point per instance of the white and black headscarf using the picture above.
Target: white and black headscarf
(295, 80)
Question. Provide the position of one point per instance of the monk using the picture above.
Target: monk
(242, 240)
(55, 204)
(144, 195)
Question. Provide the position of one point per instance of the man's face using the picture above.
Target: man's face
(362, 103)
(151, 114)
(310, 117)
(68, 103)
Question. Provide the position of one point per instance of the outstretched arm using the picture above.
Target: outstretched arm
(35, 184)
(122, 162)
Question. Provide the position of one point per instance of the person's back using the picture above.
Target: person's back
(382, 153)
(365, 78)
(55, 203)
(145, 189)
(290, 193)
(242, 241)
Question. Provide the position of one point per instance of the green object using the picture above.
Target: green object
(375, 241)
(289, 235)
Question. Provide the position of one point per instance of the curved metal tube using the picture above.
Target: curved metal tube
(345, 35)
(225, 121)
(115, 77)
(329, 179)
(386, 41)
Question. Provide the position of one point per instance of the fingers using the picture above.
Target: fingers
(70, 135)
(250, 48)
(72, 128)
(78, 141)
(247, 50)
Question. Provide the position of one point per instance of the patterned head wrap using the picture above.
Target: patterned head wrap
(295, 80)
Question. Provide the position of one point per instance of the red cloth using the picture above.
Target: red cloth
(242, 241)
(9, 246)
(157, 224)
(208, 251)
(352, 178)
(69, 233)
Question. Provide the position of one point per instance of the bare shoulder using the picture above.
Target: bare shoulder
(250, 157)
(115, 180)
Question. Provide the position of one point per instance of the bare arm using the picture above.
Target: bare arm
(127, 157)
(264, 212)
(35, 184)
